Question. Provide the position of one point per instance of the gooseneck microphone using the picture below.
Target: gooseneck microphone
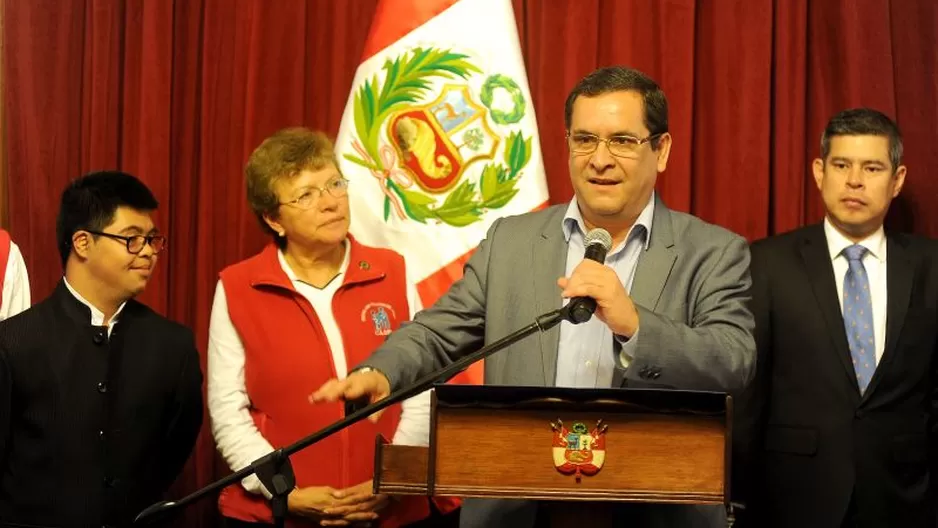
(598, 242)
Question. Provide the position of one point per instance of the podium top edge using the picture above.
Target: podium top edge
(629, 399)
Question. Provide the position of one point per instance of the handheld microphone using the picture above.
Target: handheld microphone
(598, 242)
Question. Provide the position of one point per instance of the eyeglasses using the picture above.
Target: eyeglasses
(619, 146)
(136, 243)
(336, 187)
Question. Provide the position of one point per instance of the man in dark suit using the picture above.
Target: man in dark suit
(839, 426)
(100, 397)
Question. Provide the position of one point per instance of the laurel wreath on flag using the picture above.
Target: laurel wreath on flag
(517, 98)
(407, 79)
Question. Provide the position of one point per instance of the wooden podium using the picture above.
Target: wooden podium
(662, 446)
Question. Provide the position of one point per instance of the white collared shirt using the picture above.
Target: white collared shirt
(874, 261)
(97, 316)
(584, 357)
(321, 300)
(236, 435)
(15, 297)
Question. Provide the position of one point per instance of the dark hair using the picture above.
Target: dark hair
(864, 122)
(90, 203)
(622, 79)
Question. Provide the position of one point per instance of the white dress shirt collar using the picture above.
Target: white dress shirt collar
(642, 227)
(342, 268)
(837, 242)
(97, 316)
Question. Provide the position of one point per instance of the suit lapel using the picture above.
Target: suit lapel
(550, 259)
(900, 276)
(820, 271)
(654, 265)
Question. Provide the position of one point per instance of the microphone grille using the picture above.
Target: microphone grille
(598, 236)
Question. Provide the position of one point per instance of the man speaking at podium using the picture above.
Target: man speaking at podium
(671, 300)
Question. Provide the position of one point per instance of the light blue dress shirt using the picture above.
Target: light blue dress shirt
(586, 357)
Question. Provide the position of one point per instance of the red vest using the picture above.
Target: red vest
(4, 258)
(287, 357)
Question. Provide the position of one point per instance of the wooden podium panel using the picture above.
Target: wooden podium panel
(660, 446)
(648, 457)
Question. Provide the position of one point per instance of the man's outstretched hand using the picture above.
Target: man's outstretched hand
(358, 384)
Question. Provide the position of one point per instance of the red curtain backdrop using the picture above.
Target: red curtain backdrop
(180, 92)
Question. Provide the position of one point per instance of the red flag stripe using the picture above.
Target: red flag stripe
(396, 18)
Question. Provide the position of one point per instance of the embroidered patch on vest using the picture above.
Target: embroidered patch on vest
(377, 313)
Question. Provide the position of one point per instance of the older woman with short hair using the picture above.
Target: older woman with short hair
(311, 304)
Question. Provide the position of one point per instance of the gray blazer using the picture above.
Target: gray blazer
(695, 325)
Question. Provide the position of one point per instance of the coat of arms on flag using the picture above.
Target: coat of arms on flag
(418, 138)
(579, 451)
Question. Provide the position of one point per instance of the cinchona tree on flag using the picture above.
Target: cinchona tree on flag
(439, 136)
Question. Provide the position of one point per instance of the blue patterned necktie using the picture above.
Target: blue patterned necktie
(858, 316)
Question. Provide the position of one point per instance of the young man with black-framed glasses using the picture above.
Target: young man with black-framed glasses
(100, 397)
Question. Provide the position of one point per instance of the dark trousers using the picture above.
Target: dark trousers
(228, 522)
(850, 518)
(438, 520)
(435, 520)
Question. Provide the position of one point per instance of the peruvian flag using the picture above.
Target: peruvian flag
(439, 136)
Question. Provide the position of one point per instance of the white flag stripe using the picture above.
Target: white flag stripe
(485, 32)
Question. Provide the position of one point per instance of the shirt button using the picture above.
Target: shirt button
(102, 387)
(99, 337)
(101, 434)
(589, 363)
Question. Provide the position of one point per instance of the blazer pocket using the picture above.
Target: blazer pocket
(792, 440)
(910, 448)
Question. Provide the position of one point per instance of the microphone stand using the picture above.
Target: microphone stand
(274, 469)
